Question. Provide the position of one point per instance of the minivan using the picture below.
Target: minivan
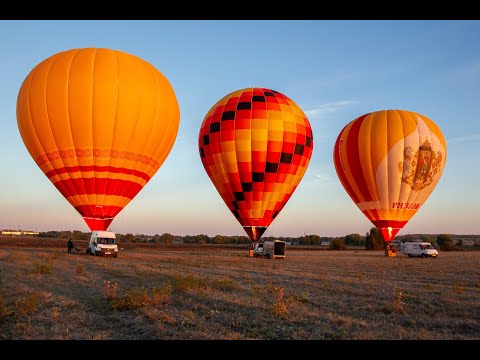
(103, 243)
(418, 249)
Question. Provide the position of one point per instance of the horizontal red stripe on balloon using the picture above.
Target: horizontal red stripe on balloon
(99, 169)
(90, 186)
(389, 223)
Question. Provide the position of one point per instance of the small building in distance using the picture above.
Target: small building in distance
(19, 233)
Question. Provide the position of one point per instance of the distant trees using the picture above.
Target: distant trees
(337, 244)
(239, 240)
(197, 239)
(66, 234)
(129, 238)
(79, 235)
(49, 234)
(219, 239)
(354, 239)
(310, 240)
(166, 238)
(374, 240)
(445, 242)
(429, 239)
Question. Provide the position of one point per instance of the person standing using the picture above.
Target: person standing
(70, 246)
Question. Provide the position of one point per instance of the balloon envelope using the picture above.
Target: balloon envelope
(99, 123)
(255, 145)
(389, 162)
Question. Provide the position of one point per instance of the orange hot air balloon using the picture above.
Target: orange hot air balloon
(255, 145)
(99, 123)
(389, 162)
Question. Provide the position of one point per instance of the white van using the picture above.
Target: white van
(418, 249)
(103, 243)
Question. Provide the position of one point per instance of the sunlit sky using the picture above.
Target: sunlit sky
(334, 70)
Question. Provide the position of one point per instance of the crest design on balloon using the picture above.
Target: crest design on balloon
(419, 169)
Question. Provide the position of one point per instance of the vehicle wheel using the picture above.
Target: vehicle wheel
(424, 255)
(88, 251)
(409, 255)
(267, 256)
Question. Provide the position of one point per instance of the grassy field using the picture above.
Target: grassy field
(219, 293)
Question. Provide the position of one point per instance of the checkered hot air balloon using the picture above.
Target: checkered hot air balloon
(99, 123)
(389, 162)
(255, 145)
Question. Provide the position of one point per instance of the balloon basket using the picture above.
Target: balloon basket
(250, 253)
(390, 253)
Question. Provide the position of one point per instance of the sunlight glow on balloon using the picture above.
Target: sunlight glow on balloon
(99, 123)
(389, 162)
(255, 145)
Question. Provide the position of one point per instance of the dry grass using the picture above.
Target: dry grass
(219, 293)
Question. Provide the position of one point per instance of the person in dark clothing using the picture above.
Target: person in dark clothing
(70, 246)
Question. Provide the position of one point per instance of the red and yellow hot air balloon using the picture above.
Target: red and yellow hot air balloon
(255, 145)
(389, 162)
(99, 123)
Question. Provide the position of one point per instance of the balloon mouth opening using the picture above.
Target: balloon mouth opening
(255, 232)
(98, 223)
(389, 228)
(389, 233)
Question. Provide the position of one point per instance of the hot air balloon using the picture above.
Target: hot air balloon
(255, 145)
(99, 123)
(389, 162)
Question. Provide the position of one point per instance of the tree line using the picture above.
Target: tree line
(372, 240)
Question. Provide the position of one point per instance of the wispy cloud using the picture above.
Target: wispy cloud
(322, 178)
(471, 70)
(475, 69)
(466, 72)
(324, 110)
(318, 176)
(471, 138)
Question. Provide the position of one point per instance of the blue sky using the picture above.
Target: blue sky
(335, 70)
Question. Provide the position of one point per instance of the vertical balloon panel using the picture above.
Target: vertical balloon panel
(389, 162)
(255, 145)
(99, 123)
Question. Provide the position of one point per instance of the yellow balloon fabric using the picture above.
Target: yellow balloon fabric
(99, 123)
(255, 145)
(389, 162)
